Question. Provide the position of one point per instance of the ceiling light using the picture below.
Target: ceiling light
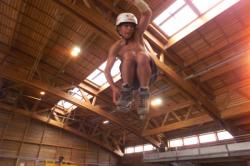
(156, 102)
(105, 122)
(42, 93)
(75, 51)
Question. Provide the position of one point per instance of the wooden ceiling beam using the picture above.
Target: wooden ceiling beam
(96, 20)
(241, 37)
(85, 44)
(40, 54)
(91, 17)
(153, 114)
(178, 125)
(20, 5)
(11, 75)
(227, 67)
(227, 114)
(235, 86)
(195, 94)
(93, 92)
(58, 124)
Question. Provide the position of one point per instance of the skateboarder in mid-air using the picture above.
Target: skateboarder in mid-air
(137, 67)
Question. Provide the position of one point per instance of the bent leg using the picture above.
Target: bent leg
(143, 69)
(128, 69)
(144, 74)
(128, 72)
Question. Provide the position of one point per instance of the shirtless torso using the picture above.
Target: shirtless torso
(132, 48)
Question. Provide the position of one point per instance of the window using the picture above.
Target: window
(223, 135)
(148, 147)
(139, 148)
(190, 140)
(129, 150)
(211, 137)
(176, 143)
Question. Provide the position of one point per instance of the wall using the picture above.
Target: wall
(27, 142)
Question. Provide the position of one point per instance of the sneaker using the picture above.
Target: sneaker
(125, 100)
(143, 103)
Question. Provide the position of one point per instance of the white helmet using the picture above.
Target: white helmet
(126, 17)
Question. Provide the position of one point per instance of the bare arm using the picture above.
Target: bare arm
(113, 52)
(146, 14)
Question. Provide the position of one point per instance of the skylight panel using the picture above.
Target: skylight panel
(179, 20)
(66, 105)
(116, 68)
(162, 17)
(100, 79)
(98, 76)
(76, 93)
(175, 6)
(211, 137)
(205, 5)
(169, 27)
(219, 8)
(93, 74)
(167, 13)
(185, 16)
(60, 103)
(79, 94)
(103, 65)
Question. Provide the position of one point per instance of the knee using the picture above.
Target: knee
(127, 61)
(142, 59)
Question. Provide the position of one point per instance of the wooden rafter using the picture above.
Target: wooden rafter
(49, 121)
(11, 75)
(190, 89)
(153, 114)
(226, 114)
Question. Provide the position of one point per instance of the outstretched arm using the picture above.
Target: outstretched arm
(113, 52)
(146, 14)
